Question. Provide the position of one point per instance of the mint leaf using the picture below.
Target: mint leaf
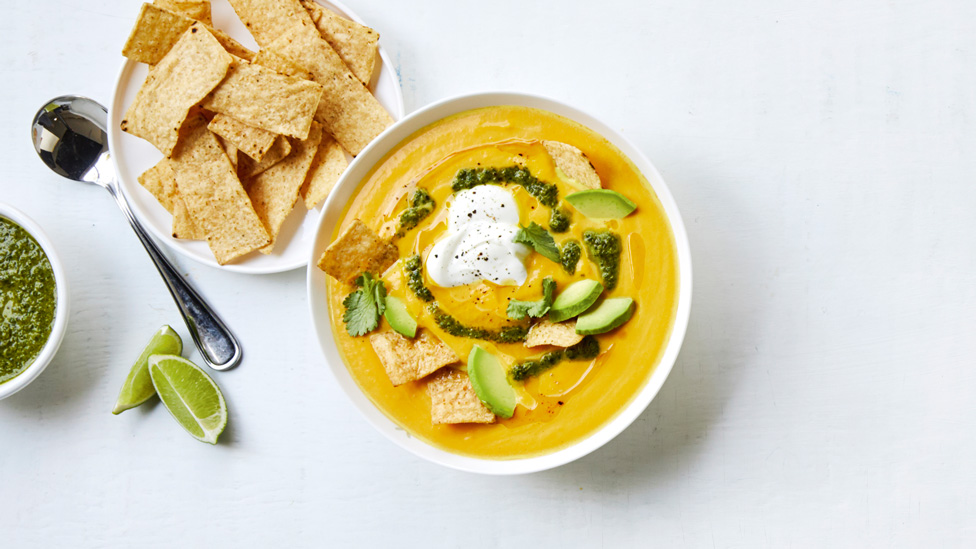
(539, 238)
(518, 310)
(364, 306)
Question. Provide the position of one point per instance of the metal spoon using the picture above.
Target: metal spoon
(69, 136)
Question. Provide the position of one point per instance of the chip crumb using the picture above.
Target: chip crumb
(573, 164)
(356, 251)
(453, 400)
(561, 334)
(406, 359)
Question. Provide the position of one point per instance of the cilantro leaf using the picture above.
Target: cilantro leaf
(539, 238)
(364, 306)
(379, 296)
(360, 316)
(518, 310)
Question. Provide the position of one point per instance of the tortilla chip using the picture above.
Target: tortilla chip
(573, 164)
(232, 46)
(562, 334)
(198, 10)
(260, 97)
(157, 30)
(357, 250)
(355, 43)
(330, 162)
(278, 152)
(183, 225)
(230, 149)
(453, 400)
(274, 191)
(154, 34)
(269, 59)
(214, 196)
(268, 19)
(252, 141)
(160, 181)
(347, 110)
(406, 359)
(191, 69)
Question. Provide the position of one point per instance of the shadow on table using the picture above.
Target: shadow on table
(663, 442)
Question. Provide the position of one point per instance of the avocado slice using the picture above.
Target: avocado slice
(613, 312)
(576, 298)
(601, 204)
(490, 382)
(398, 317)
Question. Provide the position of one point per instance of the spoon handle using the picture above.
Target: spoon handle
(217, 344)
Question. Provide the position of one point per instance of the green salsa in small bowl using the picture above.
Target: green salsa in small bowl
(33, 301)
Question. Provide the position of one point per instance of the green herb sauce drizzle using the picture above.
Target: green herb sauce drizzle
(586, 349)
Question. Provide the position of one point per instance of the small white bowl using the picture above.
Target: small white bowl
(318, 298)
(50, 348)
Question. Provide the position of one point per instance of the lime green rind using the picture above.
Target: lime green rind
(191, 396)
(138, 387)
(490, 383)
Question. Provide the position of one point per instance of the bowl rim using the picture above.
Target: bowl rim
(61, 309)
(347, 185)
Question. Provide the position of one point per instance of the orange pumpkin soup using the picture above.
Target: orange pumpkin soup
(574, 398)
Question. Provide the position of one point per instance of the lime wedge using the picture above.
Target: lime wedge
(190, 395)
(138, 387)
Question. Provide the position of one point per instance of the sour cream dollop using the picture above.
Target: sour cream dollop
(482, 222)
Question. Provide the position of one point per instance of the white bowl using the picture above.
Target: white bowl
(318, 301)
(47, 353)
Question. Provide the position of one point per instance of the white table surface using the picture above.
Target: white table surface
(822, 154)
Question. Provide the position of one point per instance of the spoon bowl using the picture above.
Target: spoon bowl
(69, 135)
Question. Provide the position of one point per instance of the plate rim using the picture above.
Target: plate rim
(337, 368)
(116, 110)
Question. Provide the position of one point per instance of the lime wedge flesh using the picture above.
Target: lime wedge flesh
(138, 387)
(190, 395)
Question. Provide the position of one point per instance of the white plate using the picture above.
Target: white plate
(133, 156)
(318, 301)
